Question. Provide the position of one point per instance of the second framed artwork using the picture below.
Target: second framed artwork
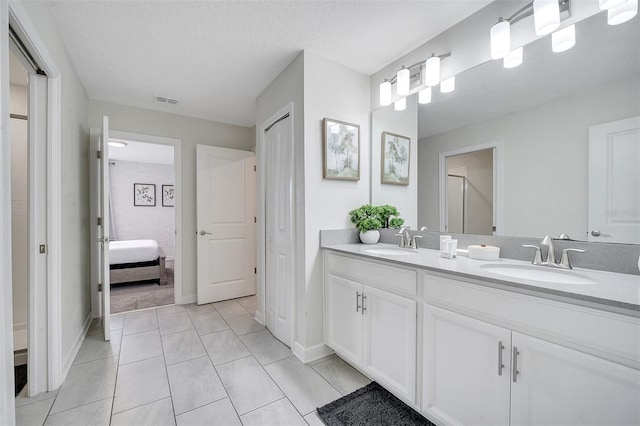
(341, 150)
(396, 150)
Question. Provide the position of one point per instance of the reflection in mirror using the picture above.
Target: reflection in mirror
(541, 114)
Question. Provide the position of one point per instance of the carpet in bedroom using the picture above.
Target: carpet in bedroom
(129, 297)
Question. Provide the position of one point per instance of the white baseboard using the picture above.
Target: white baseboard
(312, 353)
(171, 258)
(188, 299)
(259, 317)
(71, 356)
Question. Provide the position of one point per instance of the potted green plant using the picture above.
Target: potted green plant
(367, 220)
(386, 212)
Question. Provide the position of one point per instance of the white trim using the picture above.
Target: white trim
(71, 356)
(186, 300)
(497, 181)
(313, 353)
(260, 314)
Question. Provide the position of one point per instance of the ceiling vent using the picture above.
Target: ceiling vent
(166, 100)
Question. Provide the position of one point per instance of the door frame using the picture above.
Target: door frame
(177, 175)
(497, 182)
(49, 325)
(261, 240)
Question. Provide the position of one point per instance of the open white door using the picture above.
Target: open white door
(614, 182)
(103, 231)
(225, 219)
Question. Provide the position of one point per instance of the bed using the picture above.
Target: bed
(136, 261)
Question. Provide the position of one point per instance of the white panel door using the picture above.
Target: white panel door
(389, 352)
(103, 231)
(225, 219)
(561, 386)
(279, 274)
(343, 317)
(614, 182)
(466, 369)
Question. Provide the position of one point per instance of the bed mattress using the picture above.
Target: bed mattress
(133, 251)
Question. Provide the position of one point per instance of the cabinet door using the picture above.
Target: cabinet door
(558, 385)
(390, 340)
(463, 379)
(343, 322)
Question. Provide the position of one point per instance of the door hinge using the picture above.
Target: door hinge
(99, 221)
(255, 219)
(255, 270)
(254, 168)
(43, 249)
(99, 155)
(99, 287)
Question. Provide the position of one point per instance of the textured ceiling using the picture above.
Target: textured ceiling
(216, 57)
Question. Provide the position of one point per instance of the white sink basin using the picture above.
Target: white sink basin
(538, 273)
(389, 251)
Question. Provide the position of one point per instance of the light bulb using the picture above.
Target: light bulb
(622, 13)
(385, 93)
(563, 39)
(424, 96)
(500, 39)
(514, 58)
(432, 71)
(546, 16)
(402, 82)
(400, 104)
(608, 4)
(448, 85)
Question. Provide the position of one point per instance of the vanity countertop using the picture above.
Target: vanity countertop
(609, 291)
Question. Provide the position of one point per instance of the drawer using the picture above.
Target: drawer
(608, 335)
(397, 280)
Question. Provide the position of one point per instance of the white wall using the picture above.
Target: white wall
(334, 91)
(536, 158)
(19, 208)
(142, 222)
(191, 131)
(75, 267)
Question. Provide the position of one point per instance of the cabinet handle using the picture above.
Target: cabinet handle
(364, 307)
(500, 364)
(515, 364)
(358, 301)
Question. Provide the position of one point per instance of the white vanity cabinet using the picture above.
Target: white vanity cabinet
(483, 365)
(370, 321)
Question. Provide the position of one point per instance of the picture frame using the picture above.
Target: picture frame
(341, 150)
(144, 194)
(396, 156)
(168, 196)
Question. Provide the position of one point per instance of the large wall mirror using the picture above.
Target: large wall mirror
(529, 129)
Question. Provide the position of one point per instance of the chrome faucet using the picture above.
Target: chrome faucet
(405, 239)
(551, 250)
(551, 253)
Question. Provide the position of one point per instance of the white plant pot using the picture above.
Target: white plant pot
(370, 237)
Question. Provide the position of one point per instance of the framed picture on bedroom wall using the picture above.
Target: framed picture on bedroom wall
(395, 159)
(168, 196)
(144, 194)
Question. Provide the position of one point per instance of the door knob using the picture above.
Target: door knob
(203, 232)
(597, 233)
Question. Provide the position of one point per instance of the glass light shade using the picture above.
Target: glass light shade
(424, 96)
(500, 40)
(385, 93)
(608, 4)
(432, 71)
(402, 83)
(514, 58)
(622, 13)
(400, 104)
(546, 16)
(116, 143)
(448, 85)
(563, 39)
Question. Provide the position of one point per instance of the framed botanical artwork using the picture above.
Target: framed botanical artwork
(168, 196)
(396, 150)
(341, 150)
(144, 194)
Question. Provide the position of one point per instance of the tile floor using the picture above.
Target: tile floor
(190, 365)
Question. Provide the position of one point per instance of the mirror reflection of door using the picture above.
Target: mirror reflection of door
(470, 192)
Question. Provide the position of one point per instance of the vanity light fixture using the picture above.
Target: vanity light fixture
(117, 143)
(514, 58)
(608, 4)
(400, 104)
(403, 79)
(622, 13)
(546, 16)
(385, 93)
(563, 39)
(432, 70)
(500, 39)
(448, 85)
(424, 96)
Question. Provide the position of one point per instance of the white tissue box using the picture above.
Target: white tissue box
(483, 252)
